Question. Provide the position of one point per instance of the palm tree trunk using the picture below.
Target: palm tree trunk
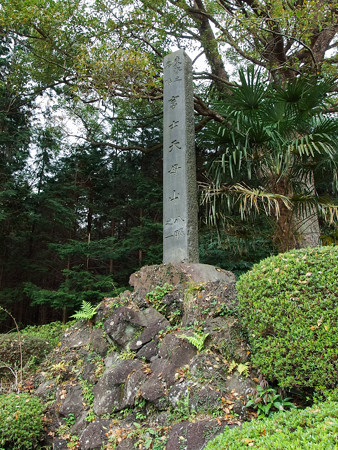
(305, 221)
(299, 227)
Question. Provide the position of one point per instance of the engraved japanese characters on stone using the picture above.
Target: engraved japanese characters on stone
(174, 169)
(177, 234)
(175, 145)
(174, 124)
(180, 229)
(173, 102)
(175, 196)
(177, 65)
(173, 220)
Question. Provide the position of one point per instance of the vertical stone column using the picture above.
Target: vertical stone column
(180, 227)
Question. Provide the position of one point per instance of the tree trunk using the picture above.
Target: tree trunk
(305, 222)
(297, 228)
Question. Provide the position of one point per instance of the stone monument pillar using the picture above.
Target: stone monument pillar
(180, 227)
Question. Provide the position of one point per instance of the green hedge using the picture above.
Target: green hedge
(311, 428)
(289, 307)
(20, 421)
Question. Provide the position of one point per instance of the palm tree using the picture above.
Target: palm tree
(275, 143)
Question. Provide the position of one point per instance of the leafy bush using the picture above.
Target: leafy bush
(289, 306)
(51, 332)
(20, 421)
(314, 427)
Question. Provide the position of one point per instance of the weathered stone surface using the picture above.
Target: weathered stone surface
(210, 300)
(153, 389)
(80, 424)
(60, 444)
(111, 359)
(89, 372)
(126, 327)
(148, 277)
(94, 435)
(77, 336)
(226, 335)
(109, 392)
(241, 387)
(149, 351)
(193, 436)
(45, 388)
(72, 404)
(98, 341)
(132, 386)
(201, 398)
(149, 332)
(177, 349)
(180, 226)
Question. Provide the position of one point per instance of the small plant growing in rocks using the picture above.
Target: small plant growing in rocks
(154, 298)
(197, 339)
(87, 311)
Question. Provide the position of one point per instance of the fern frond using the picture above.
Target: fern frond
(197, 339)
(86, 312)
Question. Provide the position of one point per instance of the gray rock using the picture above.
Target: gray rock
(153, 389)
(193, 436)
(98, 341)
(132, 386)
(72, 404)
(134, 328)
(109, 392)
(89, 372)
(80, 424)
(150, 332)
(226, 335)
(149, 351)
(124, 326)
(111, 359)
(178, 351)
(94, 436)
(60, 444)
(178, 274)
(77, 336)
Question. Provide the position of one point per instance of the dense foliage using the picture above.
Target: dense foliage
(314, 427)
(51, 332)
(20, 421)
(80, 143)
(289, 306)
(276, 144)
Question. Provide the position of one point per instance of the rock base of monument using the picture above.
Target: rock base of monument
(148, 277)
(142, 368)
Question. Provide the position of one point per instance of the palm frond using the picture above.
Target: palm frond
(311, 144)
(258, 200)
(328, 210)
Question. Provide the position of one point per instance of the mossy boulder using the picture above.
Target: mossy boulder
(289, 307)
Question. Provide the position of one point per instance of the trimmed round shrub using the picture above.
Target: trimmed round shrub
(309, 428)
(289, 307)
(20, 421)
